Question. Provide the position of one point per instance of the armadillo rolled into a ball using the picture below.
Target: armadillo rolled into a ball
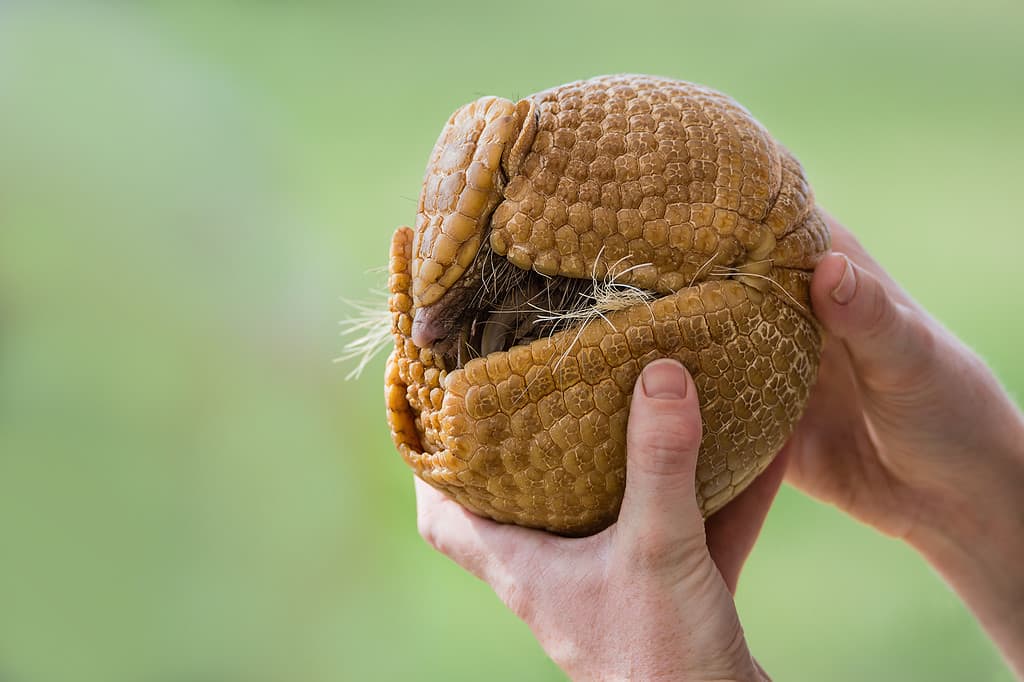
(564, 241)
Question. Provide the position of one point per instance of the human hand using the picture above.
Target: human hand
(648, 598)
(908, 431)
(902, 410)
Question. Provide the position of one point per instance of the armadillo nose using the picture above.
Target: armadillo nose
(425, 329)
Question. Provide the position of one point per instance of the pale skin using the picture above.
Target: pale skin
(907, 431)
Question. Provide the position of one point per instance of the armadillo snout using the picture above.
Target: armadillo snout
(427, 329)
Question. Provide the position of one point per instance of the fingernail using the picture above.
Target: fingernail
(843, 292)
(664, 379)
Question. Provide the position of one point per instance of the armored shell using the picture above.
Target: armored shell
(665, 188)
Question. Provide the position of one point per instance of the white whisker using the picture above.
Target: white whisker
(369, 329)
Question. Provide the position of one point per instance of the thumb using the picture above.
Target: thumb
(887, 341)
(659, 514)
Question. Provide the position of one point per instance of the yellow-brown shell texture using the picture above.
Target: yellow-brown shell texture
(666, 186)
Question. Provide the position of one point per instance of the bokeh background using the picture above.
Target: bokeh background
(189, 489)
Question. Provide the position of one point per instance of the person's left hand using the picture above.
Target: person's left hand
(648, 598)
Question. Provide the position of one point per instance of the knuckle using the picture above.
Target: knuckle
(914, 349)
(652, 554)
(660, 551)
(880, 313)
(660, 460)
(927, 341)
(660, 446)
(664, 452)
(922, 353)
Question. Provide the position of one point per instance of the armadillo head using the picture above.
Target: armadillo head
(479, 148)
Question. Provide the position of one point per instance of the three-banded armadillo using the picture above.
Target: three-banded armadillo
(564, 241)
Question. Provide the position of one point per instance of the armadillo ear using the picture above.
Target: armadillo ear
(526, 121)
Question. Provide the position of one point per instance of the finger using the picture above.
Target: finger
(844, 241)
(659, 516)
(888, 342)
(732, 531)
(491, 551)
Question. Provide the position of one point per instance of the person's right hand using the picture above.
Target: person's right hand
(908, 430)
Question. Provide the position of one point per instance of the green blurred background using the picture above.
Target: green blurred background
(190, 491)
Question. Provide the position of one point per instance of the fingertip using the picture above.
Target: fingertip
(887, 342)
(665, 379)
(845, 296)
(834, 280)
(665, 415)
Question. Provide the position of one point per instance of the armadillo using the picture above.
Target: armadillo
(564, 241)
